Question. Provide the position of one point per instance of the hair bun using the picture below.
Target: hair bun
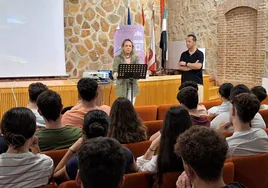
(97, 129)
(16, 140)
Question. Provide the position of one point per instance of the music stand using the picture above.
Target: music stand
(131, 72)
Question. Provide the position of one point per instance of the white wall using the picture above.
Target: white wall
(32, 38)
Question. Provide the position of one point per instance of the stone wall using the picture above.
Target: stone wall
(89, 29)
(198, 17)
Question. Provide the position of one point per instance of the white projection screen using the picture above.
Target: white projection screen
(32, 38)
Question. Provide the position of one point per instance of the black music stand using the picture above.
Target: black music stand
(131, 72)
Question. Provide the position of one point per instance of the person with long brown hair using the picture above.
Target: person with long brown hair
(125, 124)
(127, 56)
(177, 120)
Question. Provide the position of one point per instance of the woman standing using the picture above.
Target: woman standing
(127, 56)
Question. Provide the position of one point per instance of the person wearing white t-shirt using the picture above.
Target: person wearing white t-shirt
(245, 140)
(256, 122)
(261, 94)
(224, 92)
(34, 90)
(18, 166)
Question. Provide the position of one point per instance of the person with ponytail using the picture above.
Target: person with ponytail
(18, 166)
(96, 123)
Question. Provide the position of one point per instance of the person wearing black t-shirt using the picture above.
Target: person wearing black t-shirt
(191, 63)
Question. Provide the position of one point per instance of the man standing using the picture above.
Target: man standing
(191, 63)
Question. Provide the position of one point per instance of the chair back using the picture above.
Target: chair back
(264, 114)
(139, 148)
(228, 172)
(209, 104)
(251, 171)
(147, 113)
(69, 184)
(56, 155)
(138, 179)
(162, 110)
(153, 126)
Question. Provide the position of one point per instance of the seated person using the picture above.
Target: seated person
(88, 93)
(245, 140)
(223, 118)
(96, 124)
(177, 120)
(34, 90)
(126, 126)
(55, 135)
(188, 97)
(18, 166)
(201, 108)
(261, 94)
(203, 153)
(101, 164)
(3, 145)
(224, 91)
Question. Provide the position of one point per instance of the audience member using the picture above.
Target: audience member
(96, 124)
(188, 97)
(177, 120)
(55, 135)
(88, 93)
(126, 126)
(3, 145)
(245, 140)
(34, 90)
(101, 164)
(224, 118)
(18, 166)
(224, 91)
(203, 153)
(261, 94)
(201, 108)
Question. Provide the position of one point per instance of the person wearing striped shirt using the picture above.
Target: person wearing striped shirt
(20, 167)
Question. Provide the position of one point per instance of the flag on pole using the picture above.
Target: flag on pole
(151, 58)
(128, 16)
(162, 7)
(164, 40)
(143, 23)
(142, 17)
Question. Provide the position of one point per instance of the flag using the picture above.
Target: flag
(164, 40)
(143, 23)
(151, 58)
(142, 17)
(162, 7)
(128, 16)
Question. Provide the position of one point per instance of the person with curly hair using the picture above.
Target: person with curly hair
(125, 124)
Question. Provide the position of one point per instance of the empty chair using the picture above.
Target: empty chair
(56, 155)
(147, 113)
(252, 171)
(139, 179)
(139, 148)
(153, 126)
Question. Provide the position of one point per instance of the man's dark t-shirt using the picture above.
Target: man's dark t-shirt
(192, 75)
